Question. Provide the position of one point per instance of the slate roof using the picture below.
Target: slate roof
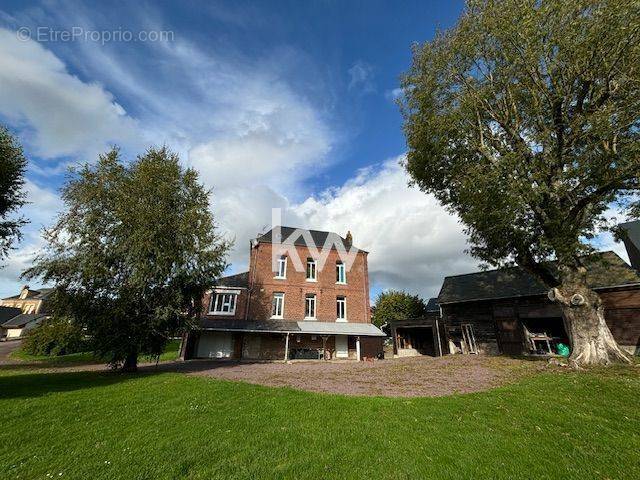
(284, 326)
(7, 313)
(318, 237)
(432, 305)
(22, 320)
(40, 294)
(605, 269)
(239, 280)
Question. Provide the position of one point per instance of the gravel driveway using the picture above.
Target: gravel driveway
(401, 377)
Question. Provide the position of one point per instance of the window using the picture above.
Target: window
(341, 273)
(341, 309)
(311, 270)
(278, 305)
(282, 267)
(310, 306)
(223, 303)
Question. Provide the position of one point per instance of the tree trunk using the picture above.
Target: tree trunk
(591, 340)
(131, 363)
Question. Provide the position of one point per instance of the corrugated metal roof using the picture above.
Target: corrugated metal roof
(283, 326)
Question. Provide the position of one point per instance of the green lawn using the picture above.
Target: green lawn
(169, 425)
(171, 352)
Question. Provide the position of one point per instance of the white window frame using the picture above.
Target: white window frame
(341, 271)
(280, 296)
(282, 261)
(313, 299)
(312, 262)
(343, 300)
(218, 302)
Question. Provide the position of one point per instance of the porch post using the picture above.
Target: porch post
(286, 347)
(358, 348)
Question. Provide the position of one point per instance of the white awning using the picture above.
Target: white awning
(340, 328)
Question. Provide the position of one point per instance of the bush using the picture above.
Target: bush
(54, 337)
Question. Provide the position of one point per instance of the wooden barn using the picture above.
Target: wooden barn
(418, 336)
(507, 310)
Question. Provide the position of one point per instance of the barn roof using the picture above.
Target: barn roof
(605, 269)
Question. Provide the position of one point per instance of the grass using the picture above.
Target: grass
(168, 425)
(171, 352)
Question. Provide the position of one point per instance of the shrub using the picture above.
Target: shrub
(55, 336)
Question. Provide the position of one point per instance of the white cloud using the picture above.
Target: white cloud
(361, 77)
(413, 242)
(66, 116)
(393, 94)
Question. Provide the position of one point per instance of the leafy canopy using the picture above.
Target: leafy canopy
(12, 195)
(523, 120)
(133, 252)
(397, 305)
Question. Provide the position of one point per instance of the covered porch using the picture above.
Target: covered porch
(285, 341)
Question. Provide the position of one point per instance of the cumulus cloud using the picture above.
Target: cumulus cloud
(66, 116)
(413, 242)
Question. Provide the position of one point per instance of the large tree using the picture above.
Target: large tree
(397, 305)
(133, 253)
(523, 119)
(12, 195)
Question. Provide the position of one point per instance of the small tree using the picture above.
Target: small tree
(524, 120)
(133, 253)
(12, 195)
(397, 305)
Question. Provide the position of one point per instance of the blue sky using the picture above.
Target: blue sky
(285, 105)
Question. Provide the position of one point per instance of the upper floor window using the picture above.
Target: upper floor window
(277, 308)
(341, 273)
(311, 270)
(341, 309)
(282, 267)
(223, 303)
(310, 306)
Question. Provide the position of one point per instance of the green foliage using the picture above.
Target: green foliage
(12, 195)
(133, 253)
(397, 305)
(55, 337)
(523, 119)
(90, 425)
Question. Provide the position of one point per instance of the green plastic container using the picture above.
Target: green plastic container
(563, 349)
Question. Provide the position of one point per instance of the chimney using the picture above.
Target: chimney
(349, 239)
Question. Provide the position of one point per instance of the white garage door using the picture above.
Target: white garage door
(215, 345)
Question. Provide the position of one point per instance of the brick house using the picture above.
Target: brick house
(306, 295)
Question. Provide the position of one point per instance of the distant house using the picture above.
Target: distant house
(507, 310)
(30, 306)
(300, 299)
